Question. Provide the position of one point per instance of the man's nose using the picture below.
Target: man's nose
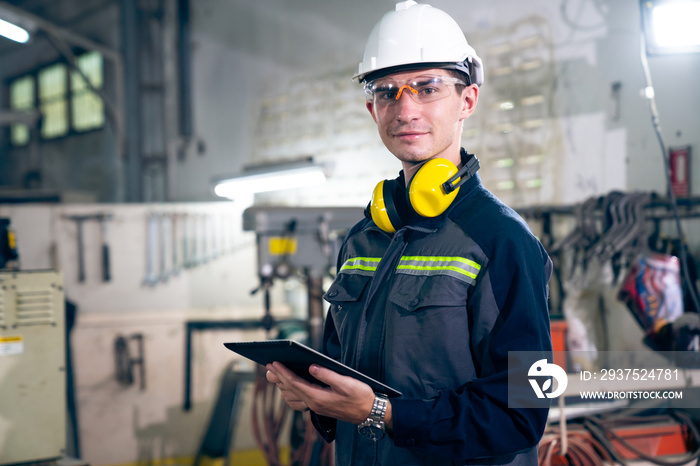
(406, 107)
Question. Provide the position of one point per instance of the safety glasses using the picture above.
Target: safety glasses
(422, 89)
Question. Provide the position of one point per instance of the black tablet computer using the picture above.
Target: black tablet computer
(298, 357)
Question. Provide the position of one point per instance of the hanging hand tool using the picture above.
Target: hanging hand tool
(81, 259)
(106, 273)
(194, 241)
(213, 224)
(191, 241)
(163, 224)
(225, 237)
(79, 220)
(174, 242)
(204, 255)
(186, 241)
(152, 239)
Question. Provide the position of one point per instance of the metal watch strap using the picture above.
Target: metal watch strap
(373, 428)
(378, 407)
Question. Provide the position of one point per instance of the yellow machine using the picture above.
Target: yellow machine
(32, 367)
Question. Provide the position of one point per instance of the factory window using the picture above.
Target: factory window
(65, 99)
(21, 99)
(52, 101)
(87, 106)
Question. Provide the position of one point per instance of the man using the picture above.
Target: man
(436, 286)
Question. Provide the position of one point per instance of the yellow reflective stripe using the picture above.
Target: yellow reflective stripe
(446, 267)
(441, 259)
(420, 265)
(457, 267)
(360, 263)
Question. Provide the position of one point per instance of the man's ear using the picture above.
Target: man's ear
(370, 107)
(470, 97)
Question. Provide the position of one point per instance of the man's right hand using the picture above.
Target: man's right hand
(345, 398)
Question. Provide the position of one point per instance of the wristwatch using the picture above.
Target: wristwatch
(373, 427)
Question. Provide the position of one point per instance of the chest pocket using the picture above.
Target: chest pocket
(433, 281)
(346, 296)
(412, 293)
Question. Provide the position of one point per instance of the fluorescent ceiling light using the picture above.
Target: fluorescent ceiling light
(672, 26)
(676, 24)
(273, 180)
(13, 32)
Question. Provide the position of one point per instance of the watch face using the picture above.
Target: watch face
(371, 432)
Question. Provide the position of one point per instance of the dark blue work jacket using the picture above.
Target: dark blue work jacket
(433, 311)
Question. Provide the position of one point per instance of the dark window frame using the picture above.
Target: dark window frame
(35, 133)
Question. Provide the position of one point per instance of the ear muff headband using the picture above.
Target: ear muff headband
(428, 194)
(425, 191)
(469, 169)
(383, 207)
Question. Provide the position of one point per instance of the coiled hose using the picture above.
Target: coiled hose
(594, 446)
(269, 415)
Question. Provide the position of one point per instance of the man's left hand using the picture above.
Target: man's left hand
(345, 398)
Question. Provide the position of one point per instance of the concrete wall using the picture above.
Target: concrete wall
(126, 424)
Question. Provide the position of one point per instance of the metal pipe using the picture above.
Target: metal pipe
(184, 67)
(201, 325)
(132, 100)
(314, 286)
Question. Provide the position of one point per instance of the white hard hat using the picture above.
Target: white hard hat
(416, 35)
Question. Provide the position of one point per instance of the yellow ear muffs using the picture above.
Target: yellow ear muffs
(426, 191)
(383, 208)
(430, 192)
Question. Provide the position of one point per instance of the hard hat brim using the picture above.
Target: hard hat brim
(380, 73)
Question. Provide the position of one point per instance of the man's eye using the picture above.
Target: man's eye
(386, 95)
(429, 90)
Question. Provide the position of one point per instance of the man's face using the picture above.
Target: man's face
(416, 131)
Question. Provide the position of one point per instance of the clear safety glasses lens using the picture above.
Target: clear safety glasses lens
(422, 89)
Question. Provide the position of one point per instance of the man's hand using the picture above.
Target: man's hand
(345, 398)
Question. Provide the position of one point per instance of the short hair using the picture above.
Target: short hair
(459, 75)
